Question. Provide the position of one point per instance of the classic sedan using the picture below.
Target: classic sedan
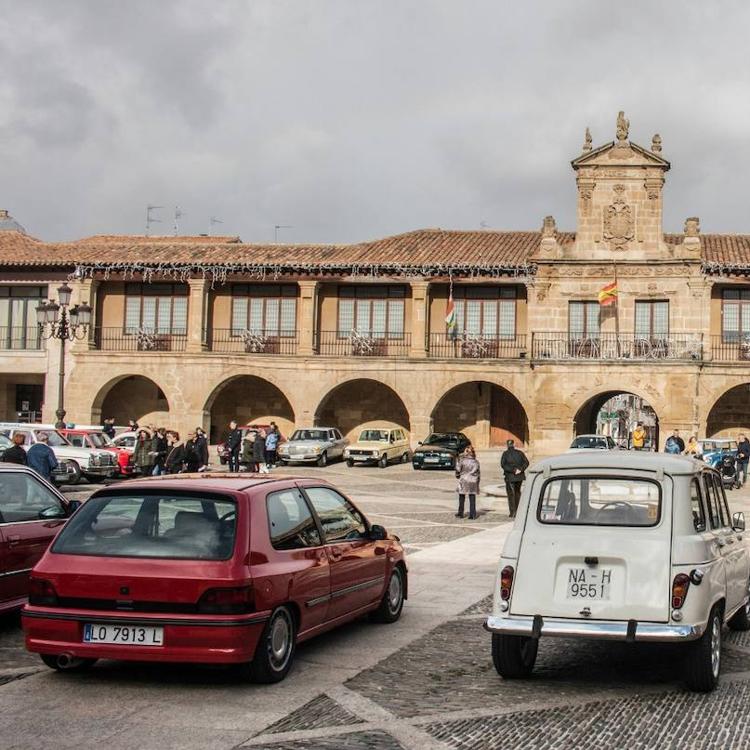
(218, 570)
(318, 444)
(31, 513)
(440, 449)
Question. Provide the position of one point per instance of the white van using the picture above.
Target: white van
(622, 546)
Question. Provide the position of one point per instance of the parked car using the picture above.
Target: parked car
(632, 547)
(222, 449)
(593, 442)
(93, 464)
(234, 571)
(378, 446)
(713, 450)
(440, 449)
(81, 437)
(125, 441)
(32, 511)
(318, 444)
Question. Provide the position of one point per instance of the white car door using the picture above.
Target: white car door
(720, 533)
(737, 572)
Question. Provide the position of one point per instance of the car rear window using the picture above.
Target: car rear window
(600, 501)
(179, 527)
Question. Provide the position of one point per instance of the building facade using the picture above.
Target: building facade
(192, 331)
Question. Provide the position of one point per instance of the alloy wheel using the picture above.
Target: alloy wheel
(715, 646)
(395, 591)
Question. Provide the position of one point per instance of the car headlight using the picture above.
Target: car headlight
(346, 451)
(316, 449)
(376, 454)
(284, 448)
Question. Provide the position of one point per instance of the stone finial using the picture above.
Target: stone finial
(623, 126)
(549, 227)
(587, 141)
(692, 227)
(656, 144)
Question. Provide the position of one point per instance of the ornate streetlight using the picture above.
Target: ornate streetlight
(55, 321)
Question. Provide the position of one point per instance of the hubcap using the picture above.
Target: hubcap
(747, 603)
(394, 592)
(279, 641)
(715, 646)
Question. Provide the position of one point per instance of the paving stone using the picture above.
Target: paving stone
(412, 535)
(671, 720)
(482, 607)
(5, 679)
(450, 669)
(321, 711)
(375, 740)
(737, 638)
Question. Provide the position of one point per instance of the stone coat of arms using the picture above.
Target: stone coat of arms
(619, 225)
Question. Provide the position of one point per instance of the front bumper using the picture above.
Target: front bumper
(608, 630)
(443, 462)
(101, 471)
(299, 457)
(361, 460)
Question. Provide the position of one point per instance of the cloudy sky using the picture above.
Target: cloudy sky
(355, 119)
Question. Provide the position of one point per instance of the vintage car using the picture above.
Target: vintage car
(637, 547)
(83, 437)
(378, 445)
(440, 450)
(318, 444)
(211, 569)
(713, 450)
(31, 513)
(92, 464)
(593, 442)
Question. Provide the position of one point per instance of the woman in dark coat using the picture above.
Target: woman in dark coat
(143, 456)
(467, 473)
(259, 451)
(201, 444)
(176, 456)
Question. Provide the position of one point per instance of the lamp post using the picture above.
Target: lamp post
(56, 321)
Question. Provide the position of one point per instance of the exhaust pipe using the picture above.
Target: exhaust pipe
(68, 661)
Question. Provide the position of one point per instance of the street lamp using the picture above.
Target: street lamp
(55, 321)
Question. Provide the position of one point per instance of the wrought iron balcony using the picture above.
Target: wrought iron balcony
(626, 347)
(255, 341)
(730, 348)
(476, 346)
(362, 344)
(21, 338)
(117, 339)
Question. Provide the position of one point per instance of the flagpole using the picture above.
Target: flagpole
(617, 309)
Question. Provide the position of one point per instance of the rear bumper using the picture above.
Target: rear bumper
(208, 639)
(608, 630)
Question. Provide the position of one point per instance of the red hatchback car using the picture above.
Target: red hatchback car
(206, 569)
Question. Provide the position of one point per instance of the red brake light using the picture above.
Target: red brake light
(680, 587)
(42, 592)
(506, 582)
(227, 601)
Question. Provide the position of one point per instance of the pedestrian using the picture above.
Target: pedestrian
(468, 475)
(247, 462)
(272, 442)
(143, 453)
(513, 464)
(743, 457)
(175, 461)
(16, 454)
(192, 453)
(41, 457)
(639, 437)
(675, 444)
(201, 443)
(108, 427)
(693, 447)
(159, 450)
(132, 425)
(259, 452)
(234, 443)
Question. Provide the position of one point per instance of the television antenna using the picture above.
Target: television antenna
(211, 222)
(276, 228)
(178, 214)
(150, 218)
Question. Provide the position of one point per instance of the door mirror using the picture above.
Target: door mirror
(378, 532)
(54, 511)
(73, 506)
(738, 521)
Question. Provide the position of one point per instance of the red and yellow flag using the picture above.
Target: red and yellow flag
(608, 294)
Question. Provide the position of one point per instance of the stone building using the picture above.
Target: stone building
(197, 330)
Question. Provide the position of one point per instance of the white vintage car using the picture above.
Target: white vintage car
(622, 546)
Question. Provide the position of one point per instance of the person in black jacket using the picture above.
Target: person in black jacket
(175, 461)
(513, 464)
(259, 452)
(234, 443)
(159, 448)
(16, 454)
(201, 442)
(192, 453)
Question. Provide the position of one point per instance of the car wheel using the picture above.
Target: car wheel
(392, 602)
(349, 462)
(383, 462)
(323, 460)
(704, 656)
(740, 620)
(514, 655)
(405, 458)
(275, 651)
(75, 477)
(63, 663)
(416, 467)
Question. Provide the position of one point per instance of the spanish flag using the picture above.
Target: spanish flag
(608, 294)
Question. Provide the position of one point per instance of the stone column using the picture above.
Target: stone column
(420, 310)
(197, 316)
(306, 317)
(86, 290)
(420, 427)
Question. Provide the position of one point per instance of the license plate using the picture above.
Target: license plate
(361, 458)
(588, 583)
(432, 460)
(124, 635)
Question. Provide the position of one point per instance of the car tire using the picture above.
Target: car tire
(75, 477)
(383, 461)
(349, 462)
(392, 602)
(73, 665)
(416, 467)
(405, 458)
(514, 656)
(94, 478)
(703, 664)
(274, 653)
(323, 460)
(740, 620)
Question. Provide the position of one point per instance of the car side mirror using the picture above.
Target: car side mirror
(54, 511)
(420, 443)
(378, 533)
(738, 521)
(73, 506)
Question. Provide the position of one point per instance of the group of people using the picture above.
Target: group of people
(257, 450)
(161, 451)
(513, 464)
(40, 457)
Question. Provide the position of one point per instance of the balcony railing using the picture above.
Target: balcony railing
(723, 350)
(359, 344)
(115, 339)
(621, 347)
(476, 346)
(21, 338)
(244, 341)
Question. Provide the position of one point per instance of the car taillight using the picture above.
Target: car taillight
(680, 587)
(506, 582)
(227, 601)
(42, 592)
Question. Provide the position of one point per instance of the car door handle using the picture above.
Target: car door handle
(336, 553)
(14, 539)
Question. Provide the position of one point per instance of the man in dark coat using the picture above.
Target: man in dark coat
(234, 443)
(42, 458)
(513, 464)
(15, 454)
(160, 449)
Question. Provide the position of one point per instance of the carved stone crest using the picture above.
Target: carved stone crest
(619, 225)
